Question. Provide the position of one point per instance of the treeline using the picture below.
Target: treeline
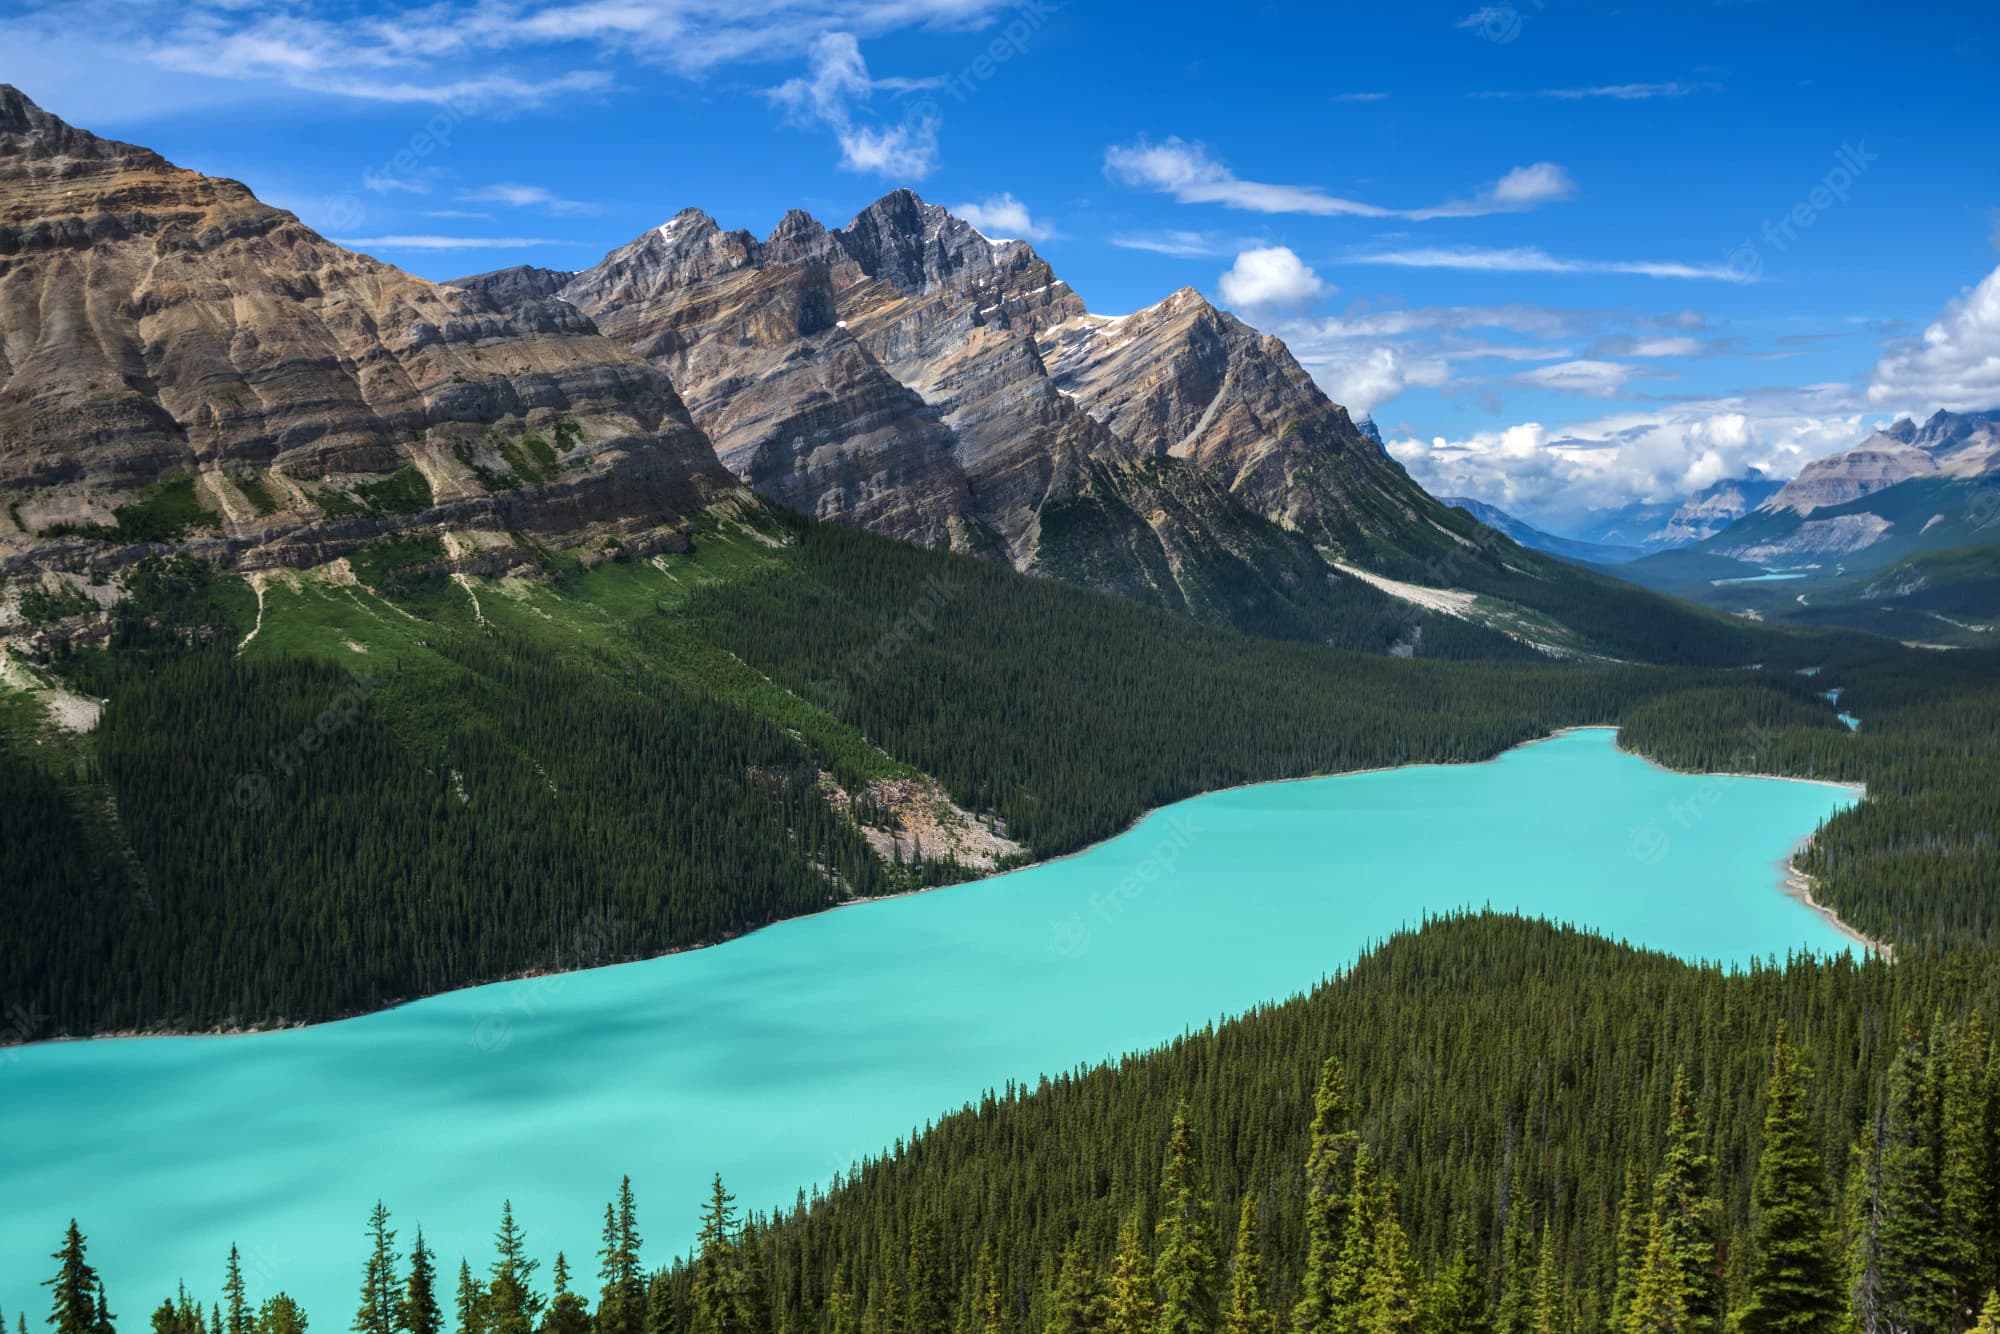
(295, 839)
(1918, 863)
(1487, 1126)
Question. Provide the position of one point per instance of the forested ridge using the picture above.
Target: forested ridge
(324, 798)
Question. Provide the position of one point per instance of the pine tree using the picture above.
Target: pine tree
(1860, 1227)
(73, 1296)
(621, 1300)
(750, 1287)
(1965, 1172)
(926, 1291)
(1794, 1287)
(1549, 1309)
(1128, 1298)
(1454, 1301)
(1249, 1306)
(232, 1291)
(1329, 1192)
(1989, 1316)
(512, 1305)
(471, 1302)
(1388, 1292)
(566, 1312)
(988, 1315)
(1184, 1267)
(280, 1315)
(711, 1297)
(1660, 1298)
(841, 1317)
(1357, 1247)
(419, 1312)
(1685, 1211)
(1634, 1211)
(1076, 1304)
(1916, 1286)
(662, 1312)
(377, 1311)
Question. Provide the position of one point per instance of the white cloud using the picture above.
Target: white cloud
(1955, 365)
(1270, 277)
(527, 196)
(1171, 242)
(1004, 218)
(1361, 97)
(1362, 377)
(834, 93)
(445, 242)
(1534, 470)
(1589, 378)
(1617, 92)
(1192, 175)
(459, 54)
(1529, 259)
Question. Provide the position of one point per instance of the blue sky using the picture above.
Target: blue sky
(1569, 255)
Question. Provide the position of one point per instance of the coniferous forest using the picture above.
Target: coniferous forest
(1485, 1125)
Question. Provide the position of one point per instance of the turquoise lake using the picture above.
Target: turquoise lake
(780, 1058)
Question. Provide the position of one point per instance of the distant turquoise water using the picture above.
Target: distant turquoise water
(779, 1058)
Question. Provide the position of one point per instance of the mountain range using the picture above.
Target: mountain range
(187, 368)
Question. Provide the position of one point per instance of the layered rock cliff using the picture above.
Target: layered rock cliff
(181, 361)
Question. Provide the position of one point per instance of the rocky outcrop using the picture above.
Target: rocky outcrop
(906, 374)
(177, 356)
(1949, 444)
(1712, 509)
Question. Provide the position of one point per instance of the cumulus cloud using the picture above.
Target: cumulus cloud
(1004, 218)
(835, 92)
(1191, 174)
(1529, 259)
(1955, 364)
(1270, 277)
(1538, 471)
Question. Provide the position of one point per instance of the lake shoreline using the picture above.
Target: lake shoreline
(1789, 874)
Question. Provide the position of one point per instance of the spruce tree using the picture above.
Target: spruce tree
(1388, 1291)
(232, 1292)
(1454, 1301)
(566, 1312)
(1684, 1210)
(841, 1317)
(1916, 1285)
(73, 1290)
(1128, 1295)
(711, 1297)
(1794, 1286)
(1184, 1266)
(512, 1304)
(1329, 1192)
(280, 1315)
(1357, 1246)
(419, 1312)
(470, 1302)
(621, 1300)
(927, 1291)
(1634, 1211)
(1249, 1305)
(1660, 1298)
(1549, 1312)
(1965, 1171)
(1076, 1304)
(1989, 1315)
(377, 1312)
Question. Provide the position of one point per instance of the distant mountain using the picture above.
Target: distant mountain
(1835, 545)
(1655, 525)
(1713, 508)
(1950, 444)
(905, 374)
(1535, 539)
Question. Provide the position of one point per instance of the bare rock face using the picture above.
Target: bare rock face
(1949, 444)
(158, 326)
(906, 374)
(1713, 508)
